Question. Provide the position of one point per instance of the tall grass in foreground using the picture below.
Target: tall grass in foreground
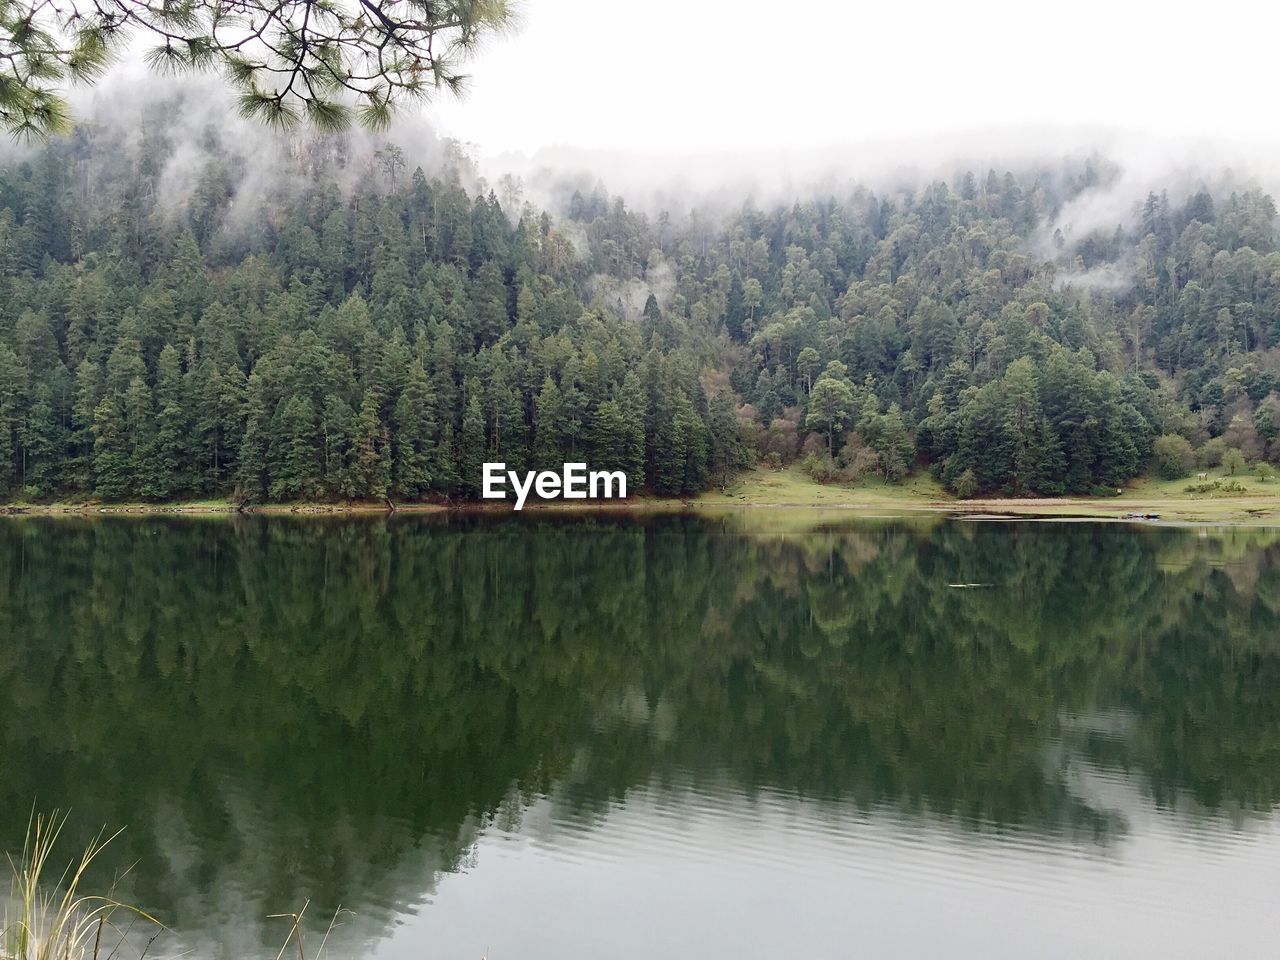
(295, 931)
(48, 916)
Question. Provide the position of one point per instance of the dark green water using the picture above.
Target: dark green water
(591, 738)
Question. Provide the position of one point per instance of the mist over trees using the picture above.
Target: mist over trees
(364, 329)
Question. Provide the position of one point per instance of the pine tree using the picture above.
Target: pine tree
(894, 447)
(414, 431)
(607, 437)
(506, 413)
(337, 443)
(139, 430)
(692, 440)
(378, 310)
(251, 469)
(167, 470)
(631, 449)
(727, 455)
(294, 463)
(111, 473)
(43, 442)
(12, 379)
(548, 439)
(8, 475)
(207, 456)
(471, 445)
(1048, 464)
(79, 472)
(1020, 392)
(233, 390)
(573, 420)
(372, 454)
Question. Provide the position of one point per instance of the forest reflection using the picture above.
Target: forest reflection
(284, 709)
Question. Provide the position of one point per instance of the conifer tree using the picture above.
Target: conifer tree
(111, 473)
(294, 460)
(549, 441)
(471, 442)
(251, 471)
(415, 442)
(372, 453)
(894, 446)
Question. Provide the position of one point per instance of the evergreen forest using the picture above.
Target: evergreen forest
(180, 319)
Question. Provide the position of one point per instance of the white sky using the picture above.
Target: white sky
(709, 75)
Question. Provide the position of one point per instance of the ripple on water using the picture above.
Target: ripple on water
(711, 821)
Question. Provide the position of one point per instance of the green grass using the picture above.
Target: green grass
(792, 487)
(1176, 489)
(1259, 503)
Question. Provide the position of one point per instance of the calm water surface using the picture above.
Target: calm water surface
(677, 736)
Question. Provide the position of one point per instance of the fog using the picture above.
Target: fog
(715, 103)
(196, 116)
(742, 75)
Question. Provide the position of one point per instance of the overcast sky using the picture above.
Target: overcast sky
(709, 75)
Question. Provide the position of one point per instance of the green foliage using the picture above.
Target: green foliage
(1233, 462)
(287, 61)
(965, 485)
(1202, 487)
(417, 451)
(471, 456)
(387, 338)
(820, 467)
(382, 344)
(831, 404)
(1174, 456)
(293, 453)
(1053, 427)
(1211, 452)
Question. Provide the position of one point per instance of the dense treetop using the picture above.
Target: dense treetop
(352, 326)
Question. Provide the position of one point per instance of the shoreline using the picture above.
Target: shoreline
(1241, 510)
(1149, 501)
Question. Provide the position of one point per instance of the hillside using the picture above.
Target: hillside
(179, 320)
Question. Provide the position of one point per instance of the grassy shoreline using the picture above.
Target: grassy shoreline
(772, 489)
(1258, 504)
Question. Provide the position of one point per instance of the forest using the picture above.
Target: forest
(365, 325)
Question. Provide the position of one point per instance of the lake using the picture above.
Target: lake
(780, 734)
